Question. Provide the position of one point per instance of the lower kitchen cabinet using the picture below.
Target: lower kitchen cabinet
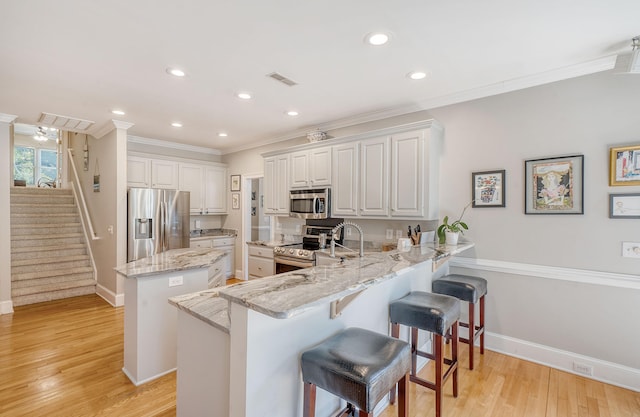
(225, 244)
(260, 262)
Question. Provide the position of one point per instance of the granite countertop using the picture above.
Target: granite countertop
(286, 295)
(212, 233)
(206, 306)
(170, 261)
(272, 243)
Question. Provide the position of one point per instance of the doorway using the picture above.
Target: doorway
(36, 156)
(255, 224)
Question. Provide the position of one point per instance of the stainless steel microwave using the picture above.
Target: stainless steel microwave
(310, 203)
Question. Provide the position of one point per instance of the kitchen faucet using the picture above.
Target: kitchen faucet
(335, 231)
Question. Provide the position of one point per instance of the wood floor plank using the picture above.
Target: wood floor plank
(64, 359)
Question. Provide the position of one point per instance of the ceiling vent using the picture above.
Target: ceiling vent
(65, 122)
(281, 78)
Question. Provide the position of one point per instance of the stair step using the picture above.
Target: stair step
(21, 300)
(40, 255)
(45, 229)
(36, 190)
(42, 199)
(24, 283)
(50, 267)
(45, 248)
(42, 208)
(36, 241)
(39, 218)
(50, 273)
(53, 261)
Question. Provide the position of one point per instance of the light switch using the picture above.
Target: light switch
(631, 249)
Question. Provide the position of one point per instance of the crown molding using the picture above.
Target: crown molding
(119, 124)
(172, 145)
(558, 74)
(108, 127)
(7, 118)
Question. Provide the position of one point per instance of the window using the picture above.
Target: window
(32, 165)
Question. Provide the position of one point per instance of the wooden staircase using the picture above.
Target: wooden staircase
(49, 258)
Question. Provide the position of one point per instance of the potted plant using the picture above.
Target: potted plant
(449, 232)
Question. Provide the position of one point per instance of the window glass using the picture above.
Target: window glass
(48, 164)
(24, 164)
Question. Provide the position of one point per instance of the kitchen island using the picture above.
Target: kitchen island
(149, 323)
(239, 346)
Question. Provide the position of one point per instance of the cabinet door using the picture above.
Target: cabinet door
(138, 172)
(320, 166)
(276, 185)
(344, 197)
(299, 172)
(202, 243)
(164, 174)
(407, 174)
(270, 186)
(282, 191)
(191, 180)
(215, 186)
(374, 178)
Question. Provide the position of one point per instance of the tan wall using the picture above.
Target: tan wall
(5, 218)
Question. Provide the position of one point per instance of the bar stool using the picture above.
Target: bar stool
(472, 290)
(437, 314)
(359, 366)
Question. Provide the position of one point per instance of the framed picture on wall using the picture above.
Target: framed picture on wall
(624, 206)
(488, 189)
(235, 201)
(624, 165)
(235, 183)
(554, 185)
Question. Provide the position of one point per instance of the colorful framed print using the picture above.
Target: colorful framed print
(554, 185)
(624, 165)
(488, 189)
(624, 206)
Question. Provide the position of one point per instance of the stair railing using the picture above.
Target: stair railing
(80, 201)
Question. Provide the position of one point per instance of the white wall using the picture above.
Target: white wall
(6, 306)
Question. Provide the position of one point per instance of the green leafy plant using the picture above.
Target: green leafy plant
(457, 226)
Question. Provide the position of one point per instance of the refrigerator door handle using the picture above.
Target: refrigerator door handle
(165, 226)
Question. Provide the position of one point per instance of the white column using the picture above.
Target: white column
(6, 152)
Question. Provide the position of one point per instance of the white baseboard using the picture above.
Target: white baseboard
(116, 300)
(608, 372)
(6, 307)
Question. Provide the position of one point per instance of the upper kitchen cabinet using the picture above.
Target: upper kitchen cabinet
(346, 178)
(153, 173)
(276, 190)
(310, 168)
(207, 187)
(374, 177)
(408, 163)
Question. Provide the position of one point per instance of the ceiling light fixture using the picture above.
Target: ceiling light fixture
(222, 135)
(244, 96)
(176, 72)
(377, 38)
(118, 112)
(176, 124)
(292, 113)
(417, 75)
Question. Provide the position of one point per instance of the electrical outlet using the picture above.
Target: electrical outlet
(399, 234)
(631, 249)
(175, 281)
(583, 368)
(389, 234)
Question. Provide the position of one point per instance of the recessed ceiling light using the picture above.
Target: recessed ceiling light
(222, 135)
(118, 112)
(176, 72)
(292, 113)
(417, 75)
(176, 124)
(377, 38)
(244, 96)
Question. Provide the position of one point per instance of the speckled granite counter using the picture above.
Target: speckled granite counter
(272, 243)
(170, 261)
(212, 234)
(206, 306)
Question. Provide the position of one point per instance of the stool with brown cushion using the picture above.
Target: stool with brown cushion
(359, 366)
(437, 314)
(472, 290)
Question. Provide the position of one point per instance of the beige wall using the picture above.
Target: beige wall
(6, 305)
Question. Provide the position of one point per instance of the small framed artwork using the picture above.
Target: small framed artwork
(624, 206)
(235, 201)
(554, 185)
(235, 183)
(624, 165)
(488, 189)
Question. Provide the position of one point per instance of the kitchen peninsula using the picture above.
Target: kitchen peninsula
(149, 323)
(239, 346)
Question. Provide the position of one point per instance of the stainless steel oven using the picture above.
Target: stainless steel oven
(310, 203)
(292, 258)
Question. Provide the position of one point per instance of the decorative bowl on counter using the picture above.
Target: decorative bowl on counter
(316, 136)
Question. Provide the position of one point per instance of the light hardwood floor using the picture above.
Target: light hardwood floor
(64, 358)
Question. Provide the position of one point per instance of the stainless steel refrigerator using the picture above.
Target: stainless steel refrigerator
(157, 220)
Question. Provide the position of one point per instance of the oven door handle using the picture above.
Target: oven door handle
(292, 262)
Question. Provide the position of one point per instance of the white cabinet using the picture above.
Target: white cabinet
(207, 187)
(152, 173)
(407, 174)
(346, 178)
(276, 190)
(260, 262)
(374, 177)
(227, 245)
(310, 168)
